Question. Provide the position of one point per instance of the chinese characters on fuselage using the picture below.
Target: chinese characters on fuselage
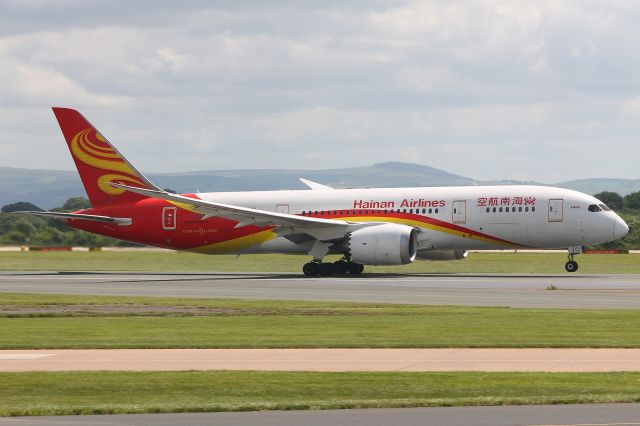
(505, 201)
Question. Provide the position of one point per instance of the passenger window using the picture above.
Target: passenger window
(410, 210)
(430, 211)
(494, 209)
(488, 209)
(436, 211)
(526, 209)
(519, 209)
(500, 209)
(533, 208)
(424, 211)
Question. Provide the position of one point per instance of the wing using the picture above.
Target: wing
(320, 229)
(314, 185)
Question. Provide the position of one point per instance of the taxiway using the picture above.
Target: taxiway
(532, 415)
(324, 359)
(543, 291)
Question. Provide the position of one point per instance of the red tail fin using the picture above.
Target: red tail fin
(98, 162)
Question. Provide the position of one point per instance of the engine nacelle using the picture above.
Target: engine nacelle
(387, 244)
(442, 254)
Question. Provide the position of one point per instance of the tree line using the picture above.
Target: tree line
(39, 231)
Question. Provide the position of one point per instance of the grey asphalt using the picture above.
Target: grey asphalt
(572, 291)
(538, 415)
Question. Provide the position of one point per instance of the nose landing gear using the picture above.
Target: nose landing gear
(572, 265)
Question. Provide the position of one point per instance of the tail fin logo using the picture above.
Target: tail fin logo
(92, 149)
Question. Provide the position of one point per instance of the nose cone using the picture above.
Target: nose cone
(620, 228)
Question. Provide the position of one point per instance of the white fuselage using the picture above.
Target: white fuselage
(450, 218)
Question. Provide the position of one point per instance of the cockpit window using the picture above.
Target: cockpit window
(594, 208)
(604, 207)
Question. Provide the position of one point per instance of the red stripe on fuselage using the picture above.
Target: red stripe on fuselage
(147, 227)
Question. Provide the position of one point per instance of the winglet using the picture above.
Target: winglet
(314, 185)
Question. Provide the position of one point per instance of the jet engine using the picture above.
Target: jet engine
(388, 244)
(442, 254)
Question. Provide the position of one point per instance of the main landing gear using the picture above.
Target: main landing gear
(572, 265)
(339, 267)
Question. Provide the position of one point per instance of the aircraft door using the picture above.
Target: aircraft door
(169, 218)
(459, 211)
(556, 212)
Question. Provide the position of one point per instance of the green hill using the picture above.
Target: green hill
(51, 188)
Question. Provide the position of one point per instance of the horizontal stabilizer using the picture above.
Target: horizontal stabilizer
(77, 216)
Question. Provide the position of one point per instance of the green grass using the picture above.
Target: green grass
(54, 393)
(276, 324)
(181, 262)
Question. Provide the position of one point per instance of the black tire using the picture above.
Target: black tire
(340, 267)
(355, 268)
(311, 269)
(571, 266)
(326, 268)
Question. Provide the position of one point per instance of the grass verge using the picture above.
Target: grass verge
(285, 324)
(54, 393)
(181, 262)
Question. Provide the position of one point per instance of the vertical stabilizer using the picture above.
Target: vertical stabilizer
(98, 162)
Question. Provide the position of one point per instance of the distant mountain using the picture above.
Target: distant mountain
(51, 188)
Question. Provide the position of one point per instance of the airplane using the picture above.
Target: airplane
(379, 226)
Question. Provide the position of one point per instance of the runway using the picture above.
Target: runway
(571, 291)
(336, 360)
(536, 415)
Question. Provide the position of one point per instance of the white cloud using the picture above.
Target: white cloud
(488, 89)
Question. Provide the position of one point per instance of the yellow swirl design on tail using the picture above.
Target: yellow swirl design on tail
(105, 158)
(104, 180)
(80, 146)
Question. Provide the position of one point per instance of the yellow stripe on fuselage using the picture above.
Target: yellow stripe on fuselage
(426, 225)
(236, 244)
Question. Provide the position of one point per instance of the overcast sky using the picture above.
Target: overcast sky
(532, 90)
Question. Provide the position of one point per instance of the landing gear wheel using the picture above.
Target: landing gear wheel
(310, 269)
(340, 267)
(326, 268)
(571, 266)
(355, 268)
